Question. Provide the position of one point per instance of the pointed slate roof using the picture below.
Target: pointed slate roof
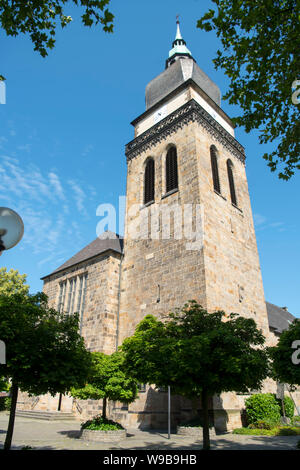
(181, 67)
(178, 47)
(108, 241)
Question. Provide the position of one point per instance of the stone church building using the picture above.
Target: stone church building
(189, 234)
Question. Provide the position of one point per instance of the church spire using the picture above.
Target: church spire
(179, 49)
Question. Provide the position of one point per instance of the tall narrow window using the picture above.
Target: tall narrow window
(231, 182)
(81, 297)
(214, 168)
(70, 295)
(171, 170)
(62, 294)
(73, 295)
(149, 181)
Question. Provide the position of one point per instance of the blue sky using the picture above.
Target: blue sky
(67, 119)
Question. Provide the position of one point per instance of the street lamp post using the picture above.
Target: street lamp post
(11, 228)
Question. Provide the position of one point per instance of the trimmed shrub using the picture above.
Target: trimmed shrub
(101, 424)
(288, 431)
(262, 407)
(253, 432)
(278, 431)
(296, 420)
(263, 424)
(288, 406)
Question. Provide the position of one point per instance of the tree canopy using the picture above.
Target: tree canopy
(260, 54)
(286, 355)
(107, 380)
(39, 19)
(203, 354)
(12, 282)
(45, 353)
(44, 350)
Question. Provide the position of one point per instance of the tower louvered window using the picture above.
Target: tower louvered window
(231, 182)
(149, 181)
(214, 168)
(171, 170)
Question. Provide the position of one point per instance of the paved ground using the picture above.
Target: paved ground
(58, 435)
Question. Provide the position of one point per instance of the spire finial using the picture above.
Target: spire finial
(178, 33)
(179, 49)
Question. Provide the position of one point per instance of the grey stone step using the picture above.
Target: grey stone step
(46, 415)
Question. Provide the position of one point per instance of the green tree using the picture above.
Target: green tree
(39, 19)
(286, 355)
(44, 351)
(11, 282)
(260, 54)
(108, 381)
(202, 354)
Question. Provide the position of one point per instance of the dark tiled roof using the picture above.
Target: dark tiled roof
(107, 241)
(174, 76)
(279, 318)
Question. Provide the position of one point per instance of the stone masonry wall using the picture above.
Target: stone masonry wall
(158, 274)
(232, 270)
(99, 321)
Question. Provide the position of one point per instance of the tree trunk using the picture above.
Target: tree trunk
(206, 442)
(12, 414)
(104, 407)
(59, 402)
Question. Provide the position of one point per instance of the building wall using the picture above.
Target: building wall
(233, 280)
(158, 274)
(224, 273)
(99, 320)
(155, 268)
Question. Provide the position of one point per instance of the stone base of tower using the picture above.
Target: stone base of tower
(150, 410)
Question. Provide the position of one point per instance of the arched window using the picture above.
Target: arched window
(231, 182)
(149, 181)
(214, 168)
(171, 170)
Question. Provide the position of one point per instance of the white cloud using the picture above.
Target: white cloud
(87, 149)
(56, 184)
(45, 205)
(79, 196)
(259, 219)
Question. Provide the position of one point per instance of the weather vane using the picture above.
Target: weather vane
(177, 18)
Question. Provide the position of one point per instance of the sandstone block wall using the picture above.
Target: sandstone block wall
(99, 320)
(160, 274)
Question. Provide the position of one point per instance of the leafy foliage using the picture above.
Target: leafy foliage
(289, 407)
(284, 368)
(262, 407)
(39, 19)
(202, 354)
(260, 55)
(264, 424)
(108, 380)
(44, 350)
(277, 431)
(101, 424)
(4, 384)
(11, 282)
(200, 350)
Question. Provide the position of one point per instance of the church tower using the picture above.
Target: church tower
(189, 230)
